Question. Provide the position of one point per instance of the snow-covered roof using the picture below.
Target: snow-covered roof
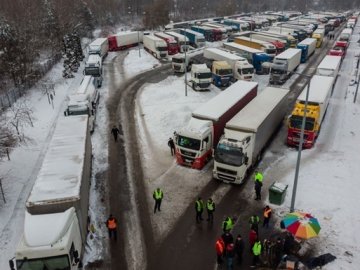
(330, 62)
(217, 106)
(61, 172)
(98, 42)
(194, 33)
(178, 36)
(319, 89)
(307, 41)
(94, 58)
(43, 230)
(84, 84)
(125, 34)
(242, 47)
(208, 52)
(254, 113)
(287, 54)
(197, 127)
(264, 43)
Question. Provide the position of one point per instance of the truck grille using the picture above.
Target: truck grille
(226, 177)
(297, 135)
(223, 170)
(204, 85)
(162, 55)
(186, 153)
(176, 67)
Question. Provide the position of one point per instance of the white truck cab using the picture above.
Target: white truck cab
(201, 76)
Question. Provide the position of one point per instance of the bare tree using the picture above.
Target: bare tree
(20, 116)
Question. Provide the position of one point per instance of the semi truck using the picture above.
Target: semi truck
(156, 46)
(291, 42)
(257, 44)
(201, 77)
(254, 56)
(124, 40)
(85, 100)
(345, 34)
(222, 73)
(307, 47)
(182, 40)
(172, 45)
(319, 34)
(56, 214)
(99, 46)
(247, 134)
(302, 31)
(182, 62)
(219, 29)
(196, 39)
(194, 143)
(298, 34)
(93, 66)
(240, 26)
(318, 101)
(329, 66)
(283, 65)
(339, 49)
(210, 34)
(241, 68)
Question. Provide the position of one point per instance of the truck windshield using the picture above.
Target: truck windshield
(189, 143)
(92, 71)
(270, 51)
(229, 155)
(246, 71)
(161, 49)
(201, 40)
(224, 72)
(277, 71)
(178, 60)
(296, 121)
(204, 75)
(50, 263)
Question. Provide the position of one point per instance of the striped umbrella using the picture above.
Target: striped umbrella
(301, 225)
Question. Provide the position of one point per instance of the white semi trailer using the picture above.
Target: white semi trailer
(156, 46)
(247, 134)
(99, 46)
(56, 214)
(284, 64)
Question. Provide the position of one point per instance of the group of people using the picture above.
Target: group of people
(199, 209)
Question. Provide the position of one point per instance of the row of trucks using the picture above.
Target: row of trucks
(195, 142)
(307, 47)
(320, 91)
(341, 44)
(56, 215)
(257, 44)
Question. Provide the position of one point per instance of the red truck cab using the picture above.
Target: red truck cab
(337, 51)
(280, 47)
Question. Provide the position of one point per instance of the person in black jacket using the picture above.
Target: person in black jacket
(171, 144)
(239, 248)
(115, 131)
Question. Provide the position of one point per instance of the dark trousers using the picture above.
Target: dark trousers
(219, 259)
(258, 193)
(157, 205)
(256, 260)
(115, 136)
(112, 233)
(210, 216)
(172, 149)
(239, 255)
(266, 222)
(199, 216)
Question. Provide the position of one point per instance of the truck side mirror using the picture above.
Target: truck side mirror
(11, 264)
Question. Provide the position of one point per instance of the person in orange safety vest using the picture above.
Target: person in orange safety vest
(111, 224)
(220, 248)
(267, 216)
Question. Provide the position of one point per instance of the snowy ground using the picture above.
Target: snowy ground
(327, 184)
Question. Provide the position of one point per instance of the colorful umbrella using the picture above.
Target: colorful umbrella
(301, 225)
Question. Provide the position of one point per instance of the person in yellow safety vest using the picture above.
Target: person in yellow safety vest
(254, 223)
(258, 176)
(158, 196)
(111, 224)
(227, 224)
(256, 253)
(267, 216)
(199, 208)
(210, 206)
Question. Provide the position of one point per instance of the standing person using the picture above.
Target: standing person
(253, 236)
(258, 186)
(199, 208)
(171, 144)
(115, 131)
(278, 250)
(254, 223)
(158, 196)
(220, 249)
(239, 248)
(111, 224)
(210, 206)
(227, 238)
(227, 224)
(258, 176)
(256, 253)
(267, 216)
(230, 253)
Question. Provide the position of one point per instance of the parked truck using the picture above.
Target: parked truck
(254, 56)
(93, 66)
(156, 46)
(318, 100)
(181, 39)
(222, 73)
(195, 142)
(247, 134)
(345, 34)
(209, 33)
(124, 40)
(319, 36)
(196, 39)
(201, 77)
(291, 41)
(172, 46)
(257, 44)
(56, 214)
(85, 100)
(329, 66)
(307, 47)
(99, 46)
(242, 70)
(283, 65)
(182, 62)
(240, 26)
